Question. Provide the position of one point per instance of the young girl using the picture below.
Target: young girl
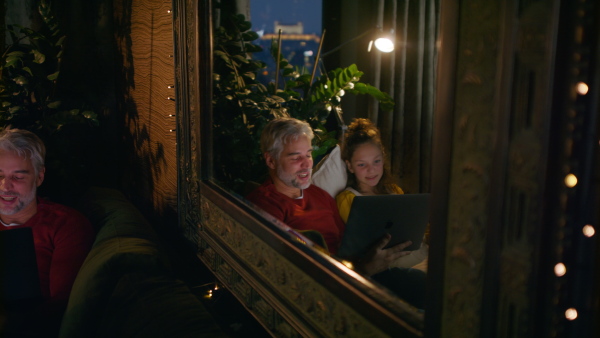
(368, 174)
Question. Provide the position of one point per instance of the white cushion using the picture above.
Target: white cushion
(330, 174)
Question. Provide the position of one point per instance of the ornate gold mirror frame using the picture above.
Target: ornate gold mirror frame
(290, 288)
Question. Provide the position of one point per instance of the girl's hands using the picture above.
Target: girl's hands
(379, 259)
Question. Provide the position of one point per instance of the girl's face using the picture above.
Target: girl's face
(367, 165)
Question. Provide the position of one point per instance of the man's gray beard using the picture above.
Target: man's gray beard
(23, 202)
(292, 181)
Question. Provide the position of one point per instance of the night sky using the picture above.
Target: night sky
(263, 13)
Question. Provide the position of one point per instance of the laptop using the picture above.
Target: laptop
(19, 277)
(404, 216)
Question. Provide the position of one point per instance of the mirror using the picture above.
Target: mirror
(413, 110)
(493, 130)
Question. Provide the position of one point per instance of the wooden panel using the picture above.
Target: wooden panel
(144, 34)
(517, 130)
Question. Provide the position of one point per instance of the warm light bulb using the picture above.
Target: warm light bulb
(384, 44)
(571, 314)
(560, 269)
(571, 180)
(582, 88)
(588, 230)
(348, 264)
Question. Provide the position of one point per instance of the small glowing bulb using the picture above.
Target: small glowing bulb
(348, 264)
(582, 88)
(571, 180)
(571, 314)
(588, 231)
(560, 269)
(384, 44)
(168, 11)
(216, 288)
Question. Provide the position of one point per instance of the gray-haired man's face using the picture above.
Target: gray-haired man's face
(294, 166)
(18, 183)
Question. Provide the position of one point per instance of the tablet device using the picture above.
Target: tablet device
(405, 217)
(18, 265)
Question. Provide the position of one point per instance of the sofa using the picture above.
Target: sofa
(126, 286)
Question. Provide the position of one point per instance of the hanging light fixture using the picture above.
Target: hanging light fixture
(384, 42)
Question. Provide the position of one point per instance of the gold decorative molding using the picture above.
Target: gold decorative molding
(295, 293)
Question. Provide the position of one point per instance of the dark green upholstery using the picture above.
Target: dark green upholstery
(125, 287)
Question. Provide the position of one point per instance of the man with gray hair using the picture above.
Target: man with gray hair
(289, 196)
(287, 150)
(62, 236)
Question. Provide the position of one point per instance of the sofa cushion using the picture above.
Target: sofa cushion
(97, 278)
(330, 173)
(112, 215)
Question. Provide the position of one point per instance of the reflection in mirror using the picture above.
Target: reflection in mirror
(246, 96)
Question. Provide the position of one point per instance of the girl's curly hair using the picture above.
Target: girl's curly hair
(362, 131)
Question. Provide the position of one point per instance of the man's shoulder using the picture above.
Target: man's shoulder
(265, 189)
(50, 209)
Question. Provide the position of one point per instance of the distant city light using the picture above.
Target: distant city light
(308, 53)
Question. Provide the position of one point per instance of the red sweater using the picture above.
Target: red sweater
(62, 239)
(317, 210)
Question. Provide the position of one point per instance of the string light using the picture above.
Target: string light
(348, 264)
(571, 314)
(210, 292)
(571, 180)
(588, 230)
(560, 269)
(582, 88)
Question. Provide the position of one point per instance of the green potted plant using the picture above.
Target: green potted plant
(242, 106)
(30, 96)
